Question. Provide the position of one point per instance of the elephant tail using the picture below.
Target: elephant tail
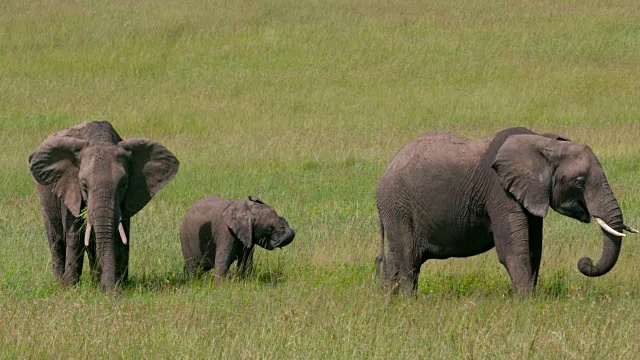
(380, 258)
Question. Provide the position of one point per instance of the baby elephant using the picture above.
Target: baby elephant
(216, 232)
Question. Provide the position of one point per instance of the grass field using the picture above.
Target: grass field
(304, 103)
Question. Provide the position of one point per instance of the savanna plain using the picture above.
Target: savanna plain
(304, 103)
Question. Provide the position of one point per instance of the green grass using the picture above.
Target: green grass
(303, 103)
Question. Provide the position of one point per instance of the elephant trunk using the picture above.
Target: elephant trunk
(611, 216)
(286, 237)
(103, 221)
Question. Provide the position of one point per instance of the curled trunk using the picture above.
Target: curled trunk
(286, 237)
(611, 243)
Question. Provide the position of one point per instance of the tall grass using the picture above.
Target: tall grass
(304, 103)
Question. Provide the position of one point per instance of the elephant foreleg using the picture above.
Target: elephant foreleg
(74, 257)
(94, 265)
(535, 244)
(55, 234)
(245, 261)
(52, 214)
(225, 255)
(511, 236)
(122, 252)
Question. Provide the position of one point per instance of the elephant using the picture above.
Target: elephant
(445, 196)
(88, 174)
(216, 232)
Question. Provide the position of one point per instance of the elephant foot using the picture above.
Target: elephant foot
(523, 291)
(392, 289)
(113, 290)
(70, 278)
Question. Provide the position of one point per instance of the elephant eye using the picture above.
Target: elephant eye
(579, 182)
(270, 229)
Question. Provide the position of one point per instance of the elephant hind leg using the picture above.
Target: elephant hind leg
(403, 261)
(401, 273)
(195, 267)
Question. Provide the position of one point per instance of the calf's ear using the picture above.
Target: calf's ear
(240, 221)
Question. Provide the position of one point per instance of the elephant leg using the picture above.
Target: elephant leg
(74, 250)
(94, 264)
(197, 263)
(122, 252)
(403, 261)
(391, 277)
(195, 266)
(401, 272)
(225, 255)
(409, 281)
(245, 261)
(535, 244)
(511, 237)
(58, 252)
(52, 214)
(55, 235)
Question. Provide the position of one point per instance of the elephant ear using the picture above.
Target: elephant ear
(239, 220)
(55, 162)
(152, 167)
(523, 164)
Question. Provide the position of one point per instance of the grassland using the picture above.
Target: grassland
(304, 103)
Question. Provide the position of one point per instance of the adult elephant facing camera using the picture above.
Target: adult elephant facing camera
(90, 167)
(446, 196)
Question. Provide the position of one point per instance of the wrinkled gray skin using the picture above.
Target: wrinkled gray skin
(446, 196)
(90, 166)
(216, 232)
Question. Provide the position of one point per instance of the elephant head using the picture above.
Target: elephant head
(549, 171)
(254, 222)
(113, 180)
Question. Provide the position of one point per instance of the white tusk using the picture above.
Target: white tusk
(630, 229)
(123, 236)
(87, 233)
(608, 228)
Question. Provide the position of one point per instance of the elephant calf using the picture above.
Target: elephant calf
(216, 232)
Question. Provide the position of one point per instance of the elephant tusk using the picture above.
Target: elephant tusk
(630, 229)
(87, 234)
(608, 228)
(123, 235)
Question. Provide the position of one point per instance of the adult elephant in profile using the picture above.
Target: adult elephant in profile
(90, 167)
(447, 196)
